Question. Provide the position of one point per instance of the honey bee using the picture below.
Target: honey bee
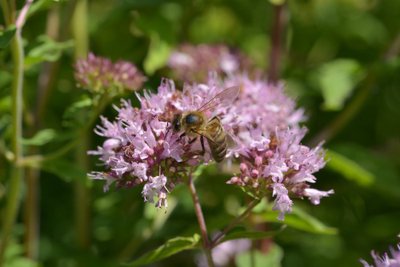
(195, 123)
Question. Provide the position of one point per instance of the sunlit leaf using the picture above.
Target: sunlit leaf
(349, 168)
(41, 138)
(170, 247)
(6, 36)
(21, 262)
(277, 2)
(297, 219)
(338, 79)
(271, 258)
(47, 50)
(157, 55)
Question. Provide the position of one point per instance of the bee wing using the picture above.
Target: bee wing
(223, 98)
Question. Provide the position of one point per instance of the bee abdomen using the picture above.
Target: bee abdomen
(218, 147)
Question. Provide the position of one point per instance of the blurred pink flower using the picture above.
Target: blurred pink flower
(194, 62)
(225, 252)
(100, 75)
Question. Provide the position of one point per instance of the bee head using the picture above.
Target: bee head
(176, 122)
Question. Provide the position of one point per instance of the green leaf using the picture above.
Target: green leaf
(78, 113)
(158, 54)
(338, 80)
(64, 169)
(6, 36)
(383, 169)
(253, 235)
(47, 50)
(171, 247)
(297, 219)
(349, 168)
(272, 258)
(41, 138)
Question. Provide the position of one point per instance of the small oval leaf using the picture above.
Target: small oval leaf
(298, 219)
(171, 247)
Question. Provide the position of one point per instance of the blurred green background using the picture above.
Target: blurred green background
(340, 61)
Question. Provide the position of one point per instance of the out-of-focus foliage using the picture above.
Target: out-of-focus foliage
(340, 61)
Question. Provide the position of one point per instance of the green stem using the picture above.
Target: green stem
(278, 27)
(235, 222)
(202, 224)
(45, 84)
(82, 196)
(6, 11)
(14, 191)
(82, 192)
(32, 213)
(79, 29)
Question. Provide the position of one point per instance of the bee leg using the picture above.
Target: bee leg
(182, 135)
(193, 140)
(203, 150)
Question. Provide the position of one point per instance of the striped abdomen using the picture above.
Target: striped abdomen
(216, 138)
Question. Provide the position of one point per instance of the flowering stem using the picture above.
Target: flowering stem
(201, 221)
(82, 193)
(275, 55)
(14, 190)
(235, 222)
(45, 81)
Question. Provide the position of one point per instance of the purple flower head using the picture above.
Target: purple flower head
(100, 75)
(385, 260)
(195, 62)
(142, 149)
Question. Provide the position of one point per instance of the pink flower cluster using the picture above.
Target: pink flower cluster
(194, 62)
(264, 124)
(385, 260)
(141, 148)
(100, 75)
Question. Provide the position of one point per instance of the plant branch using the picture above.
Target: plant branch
(235, 222)
(45, 83)
(14, 191)
(276, 40)
(201, 221)
(81, 191)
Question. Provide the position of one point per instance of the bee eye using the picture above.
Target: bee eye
(191, 119)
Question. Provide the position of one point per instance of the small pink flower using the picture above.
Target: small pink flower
(385, 260)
